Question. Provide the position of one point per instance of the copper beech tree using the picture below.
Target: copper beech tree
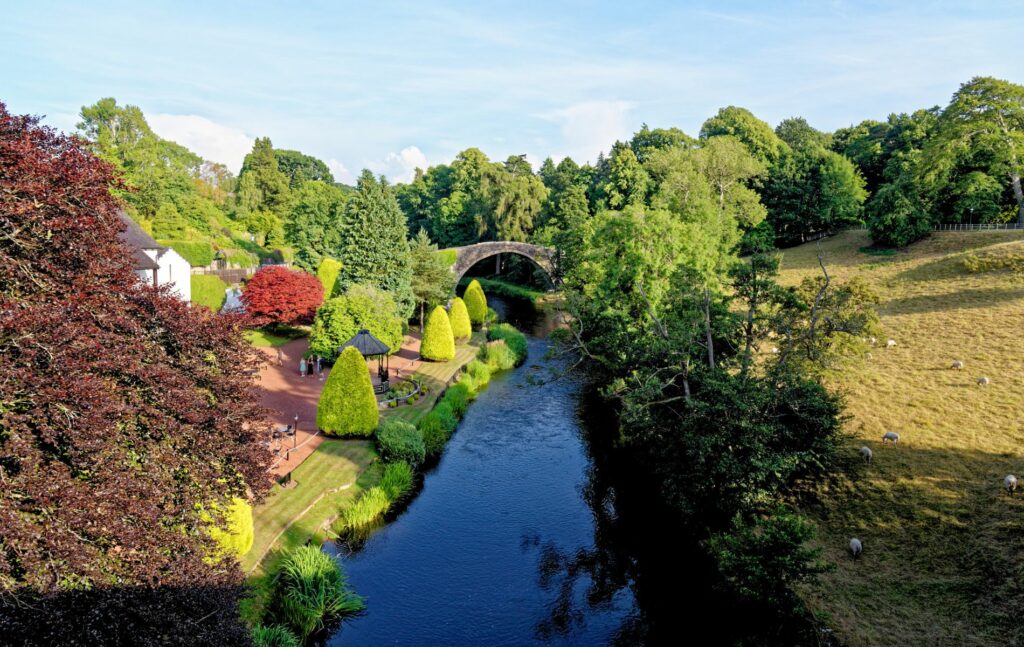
(124, 414)
(278, 295)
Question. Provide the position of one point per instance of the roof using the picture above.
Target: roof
(133, 234)
(366, 344)
(141, 261)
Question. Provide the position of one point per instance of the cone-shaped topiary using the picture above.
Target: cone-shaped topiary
(459, 316)
(438, 342)
(476, 303)
(347, 405)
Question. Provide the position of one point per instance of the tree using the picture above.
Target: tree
(280, 296)
(168, 223)
(798, 134)
(328, 272)
(108, 464)
(756, 135)
(432, 280)
(626, 182)
(271, 184)
(361, 306)
(520, 198)
(459, 315)
(347, 405)
(313, 223)
(987, 114)
(647, 140)
(476, 302)
(300, 168)
(438, 342)
(374, 249)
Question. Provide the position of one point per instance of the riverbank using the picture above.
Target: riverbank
(538, 299)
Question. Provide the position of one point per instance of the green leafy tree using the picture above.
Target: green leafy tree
(647, 140)
(520, 196)
(626, 181)
(347, 405)
(756, 135)
(476, 303)
(328, 272)
(271, 184)
(301, 168)
(798, 134)
(312, 228)
(361, 306)
(432, 280)
(168, 223)
(461, 327)
(438, 343)
(374, 249)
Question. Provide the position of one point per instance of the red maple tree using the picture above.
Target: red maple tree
(278, 295)
(123, 412)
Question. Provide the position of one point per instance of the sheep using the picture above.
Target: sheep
(891, 343)
(856, 547)
(983, 381)
(866, 453)
(891, 436)
(868, 355)
(872, 341)
(1010, 483)
(957, 365)
(775, 350)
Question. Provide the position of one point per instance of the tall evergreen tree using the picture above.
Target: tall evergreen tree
(312, 228)
(432, 280)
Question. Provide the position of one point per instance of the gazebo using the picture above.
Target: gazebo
(370, 346)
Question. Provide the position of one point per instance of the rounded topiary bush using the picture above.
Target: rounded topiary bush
(347, 404)
(438, 342)
(400, 441)
(462, 328)
(476, 303)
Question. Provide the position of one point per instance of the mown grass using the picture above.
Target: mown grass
(943, 559)
(209, 290)
(434, 376)
(262, 338)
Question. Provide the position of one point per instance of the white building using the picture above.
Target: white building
(154, 263)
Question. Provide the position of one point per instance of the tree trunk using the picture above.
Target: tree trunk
(422, 303)
(1019, 195)
(707, 328)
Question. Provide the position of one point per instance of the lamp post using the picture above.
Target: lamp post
(295, 432)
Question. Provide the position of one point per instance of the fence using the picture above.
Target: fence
(959, 226)
(229, 276)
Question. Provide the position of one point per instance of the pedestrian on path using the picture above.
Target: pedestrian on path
(280, 357)
(302, 367)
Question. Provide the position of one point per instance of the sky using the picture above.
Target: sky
(392, 86)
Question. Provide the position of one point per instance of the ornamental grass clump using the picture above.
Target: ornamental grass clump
(497, 355)
(347, 404)
(438, 342)
(311, 591)
(400, 441)
(397, 480)
(274, 636)
(462, 328)
(368, 509)
(458, 397)
(476, 303)
(515, 340)
(480, 372)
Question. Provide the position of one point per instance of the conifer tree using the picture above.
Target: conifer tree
(459, 316)
(432, 280)
(347, 404)
(476, 303)
(438, 343)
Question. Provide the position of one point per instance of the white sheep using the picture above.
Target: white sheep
(775, 350)
(957, 365)
(891, 436)
(1010, 483)
(984, 381)
(868, 355)
(872, 341)
(856, 547)
(866, 453)
(891, 343)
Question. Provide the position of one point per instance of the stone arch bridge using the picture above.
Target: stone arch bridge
(469, 255)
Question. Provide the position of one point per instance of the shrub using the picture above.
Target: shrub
(434, 434)
(492, 316)
(237, 536)
(209, 290)
(397, 480)
(458, 397)
(438, 343)
(446, 414)
(370, 507)
(515, 340)
(497, 355)
(476, 303)
(327, 272)
(362, 306)
(461, 326)
(449, 256)
(480, 372)
(347, 404)
(198, 253)
(312, 590)
(278, 295)
(400, 441)
(274, 636)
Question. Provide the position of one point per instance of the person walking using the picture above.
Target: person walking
(280, 357)
(302, 367)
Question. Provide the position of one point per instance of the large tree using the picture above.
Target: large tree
(127, 421)
(432, 279)
(276, 295)
(312, 226)
(756, 135)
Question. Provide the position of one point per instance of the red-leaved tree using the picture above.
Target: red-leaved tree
(278, 295)
(123, 413)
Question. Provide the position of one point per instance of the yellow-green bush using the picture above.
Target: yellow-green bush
(476, 303)
(462, 328)
(348, 406)
(327, 272)
(438, 343)
(237, 535)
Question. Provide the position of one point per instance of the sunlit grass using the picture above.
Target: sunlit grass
(943, 545)
(261, 338)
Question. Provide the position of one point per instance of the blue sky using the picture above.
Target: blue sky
(391, 86)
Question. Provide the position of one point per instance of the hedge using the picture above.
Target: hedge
(347, 404)
(327, 272)
(476, 303)
(209, 290)
(459, 316)
(400, 441)
(199, 253)
(515, 340)
(438, 343)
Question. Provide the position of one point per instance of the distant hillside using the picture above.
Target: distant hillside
(943, 555)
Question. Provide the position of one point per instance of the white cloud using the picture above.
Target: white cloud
(210, 140)
(340, 172)
(401, 166)
(591, 127)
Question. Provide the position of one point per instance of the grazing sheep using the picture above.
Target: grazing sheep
(866, 453)
(856, 548)
(872, 341)
(1010, 483)
(983, 381)
(891, 343)
(891, 436)
(868, 355)
(957, 365)
(775, 350)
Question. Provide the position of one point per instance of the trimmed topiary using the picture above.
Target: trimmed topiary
(400, 441)
(327, 272)
(438, 343)
(476, 303)
(347, 404)
(459, 316)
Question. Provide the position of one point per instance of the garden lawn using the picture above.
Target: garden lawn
(209, 290)
(435, 376)
(261, 338)
(943, 558)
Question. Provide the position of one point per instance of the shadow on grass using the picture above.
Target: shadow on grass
(963, 299)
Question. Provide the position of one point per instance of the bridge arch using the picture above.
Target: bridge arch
(469, 255)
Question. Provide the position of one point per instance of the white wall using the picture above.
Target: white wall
(177, 272)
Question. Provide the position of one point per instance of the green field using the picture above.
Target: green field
(261, 338)
(209, 290)
(943, 559)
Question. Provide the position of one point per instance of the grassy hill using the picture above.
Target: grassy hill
(943, 559)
